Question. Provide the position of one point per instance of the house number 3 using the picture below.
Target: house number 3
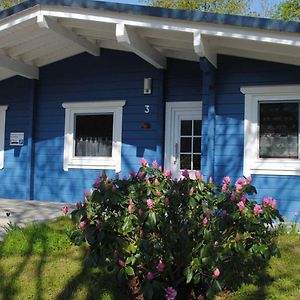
(147, 109)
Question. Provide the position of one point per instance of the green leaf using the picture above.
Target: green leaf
(188, 275)
(152, 217)
(129, 271)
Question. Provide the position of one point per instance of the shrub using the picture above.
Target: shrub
(175, 238)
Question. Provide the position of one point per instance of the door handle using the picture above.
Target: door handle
(176, 153)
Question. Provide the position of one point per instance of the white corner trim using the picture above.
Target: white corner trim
(252, 163)
(74, 108)
(3, 109)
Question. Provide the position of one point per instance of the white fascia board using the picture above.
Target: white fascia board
(127, 37)
(202, 49)
(221, 30)
(94, 104)
(47, 23)
(19, 67)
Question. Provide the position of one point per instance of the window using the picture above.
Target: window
(93, 135)
(271, 132)
(3, 109)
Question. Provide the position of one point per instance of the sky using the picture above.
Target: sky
(255, 5)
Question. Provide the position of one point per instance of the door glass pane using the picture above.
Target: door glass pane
(196, 162)
(278, 135)
(186, 127)
(93, 135)
(185, 161)
(197, 127)
(186, 145)
(197, 145)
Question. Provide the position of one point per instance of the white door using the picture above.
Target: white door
(183, 137)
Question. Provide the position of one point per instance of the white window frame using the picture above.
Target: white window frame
(90, 162)
(253, 97)
(3, 109)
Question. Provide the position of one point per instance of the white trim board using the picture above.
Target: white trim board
(3, 109)
(173, 110)
(252, 163)
(74, 108)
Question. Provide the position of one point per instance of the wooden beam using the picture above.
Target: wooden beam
(132, 41)
(46, 22)
(19, 67)
(202, 48)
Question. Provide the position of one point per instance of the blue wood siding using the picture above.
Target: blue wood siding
(16, 94)
(233, 73)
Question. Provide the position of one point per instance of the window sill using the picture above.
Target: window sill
(92, 163)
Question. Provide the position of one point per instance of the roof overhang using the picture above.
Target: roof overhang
(42, 34)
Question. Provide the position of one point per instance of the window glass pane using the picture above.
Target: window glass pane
(185, 161)
(186, 127)
(93, 135)
(196, 162)
(186, 145)
(197, 145)
(197, 127)
(278, 136)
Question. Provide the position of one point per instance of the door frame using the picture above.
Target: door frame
(173, 110)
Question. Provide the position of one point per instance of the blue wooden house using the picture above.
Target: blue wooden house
(87, 86)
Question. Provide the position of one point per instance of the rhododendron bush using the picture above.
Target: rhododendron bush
(175, 239)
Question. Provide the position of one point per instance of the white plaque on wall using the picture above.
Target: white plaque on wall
(16, 139)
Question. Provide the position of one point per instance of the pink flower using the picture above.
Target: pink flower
(226, 180)
(148, 183)
(244, 198)
(249, 179)
(158, 192)
(101, 175)
(98, 223)
(107, 181)
(125, 178)
(132, 174)
(160, 267)
(224, 188)
(257, 209)
(149, 203)
(156, 182)
(143, 162)
(171, 293)
(97, 182)
(232, 196)
(216, 273)
(150, 276)
(191, 191)
(241, 205)
(269, 202)
(82, 224)
(155, 164)
(141, 175)
(240, 181)
(65, 209)
(168, 173)
(130, 206)
(205, 221)
(78, 205)
(121, 263)
(185, 173)
(198, 175)
(207, 213)
(238, 187)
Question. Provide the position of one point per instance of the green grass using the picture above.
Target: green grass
(39, 262)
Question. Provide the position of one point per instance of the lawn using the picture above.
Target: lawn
(39, 262)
